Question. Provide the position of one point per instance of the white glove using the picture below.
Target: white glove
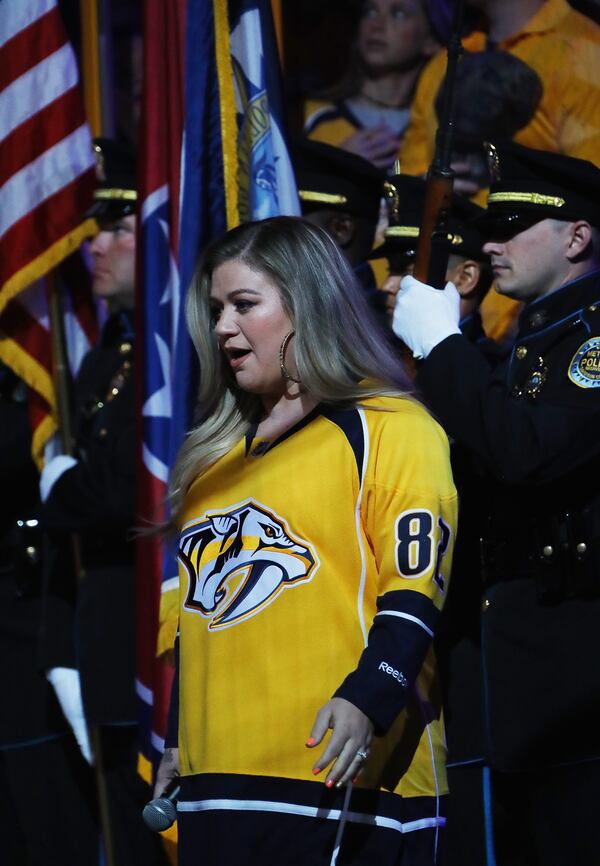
(52, 471)
(66, 684)
(424, 316)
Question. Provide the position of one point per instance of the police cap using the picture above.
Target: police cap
(334, 179)
(115, 194)
(531, 185)
(405, 197)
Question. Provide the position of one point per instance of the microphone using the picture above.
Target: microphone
(159, 814)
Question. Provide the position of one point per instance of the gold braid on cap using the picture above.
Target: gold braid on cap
(526, 198)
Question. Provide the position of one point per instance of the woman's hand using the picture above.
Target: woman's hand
(379, 144)
(349, 743)
(167, 770)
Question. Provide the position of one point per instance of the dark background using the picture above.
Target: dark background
(316, 40)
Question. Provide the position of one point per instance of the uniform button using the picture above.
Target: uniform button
(103, 433)
(548, 551)
(592, 308)
(581, 548)
(485, 605)
(521, 352)
(125, 348)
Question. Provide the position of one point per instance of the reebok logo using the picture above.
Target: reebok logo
(392, 672)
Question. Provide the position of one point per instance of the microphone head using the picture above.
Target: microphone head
(159, 814)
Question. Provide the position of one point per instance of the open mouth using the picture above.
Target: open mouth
(236, 356)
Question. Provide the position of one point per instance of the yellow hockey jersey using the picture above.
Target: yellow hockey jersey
(310, 566)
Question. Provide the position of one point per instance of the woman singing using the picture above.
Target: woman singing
(316, 515)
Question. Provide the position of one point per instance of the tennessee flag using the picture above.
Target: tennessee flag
(214, 154)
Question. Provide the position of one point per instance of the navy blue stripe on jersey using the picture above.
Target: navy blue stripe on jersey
(253, 820)
(382, 683)
(349, 422)
(265, 445)
(415, 606)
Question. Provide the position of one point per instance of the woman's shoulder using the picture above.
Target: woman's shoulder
(403, 417)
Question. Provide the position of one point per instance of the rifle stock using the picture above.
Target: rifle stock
(433, 248)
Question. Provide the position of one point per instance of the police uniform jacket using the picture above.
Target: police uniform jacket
(35, 715)
(91, 625)
(531, 423)
(458, 643)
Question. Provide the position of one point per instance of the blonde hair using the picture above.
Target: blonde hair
(341, 354)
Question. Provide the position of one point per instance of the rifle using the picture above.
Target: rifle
(433, 248)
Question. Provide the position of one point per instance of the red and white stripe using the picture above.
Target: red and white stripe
(46, 157)
(47, 180)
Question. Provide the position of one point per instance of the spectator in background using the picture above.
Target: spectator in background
(562, 47)
(368, 110)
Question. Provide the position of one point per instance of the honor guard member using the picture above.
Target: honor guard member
(341, 193)
(468, 266)
(457, 636)
(91, 641)
(46, 817)
(532, 422)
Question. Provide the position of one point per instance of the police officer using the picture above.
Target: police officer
(531, 422)
(46, 793)
(341, 192)
(89, 646)
(468, 266)
(457, 641)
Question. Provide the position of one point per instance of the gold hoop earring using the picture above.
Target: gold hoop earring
(284, 370)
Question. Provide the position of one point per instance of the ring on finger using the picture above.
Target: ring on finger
(362, 755)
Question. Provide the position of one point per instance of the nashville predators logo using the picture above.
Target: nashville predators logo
(238, 561)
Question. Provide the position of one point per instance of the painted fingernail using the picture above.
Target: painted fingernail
(316, 771)
(355, 780)
(310, 742)
(329, 783)
(339, 784)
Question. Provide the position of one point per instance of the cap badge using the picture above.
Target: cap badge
(392, 197)
(493, 161)
(100, 168)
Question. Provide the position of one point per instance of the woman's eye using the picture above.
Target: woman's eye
(244, 306)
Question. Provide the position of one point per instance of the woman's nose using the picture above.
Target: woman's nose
(226, 323)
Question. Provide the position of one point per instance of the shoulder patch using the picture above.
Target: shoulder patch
(584, 369)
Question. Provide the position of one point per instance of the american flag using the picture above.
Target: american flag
(46, 184)
(215, 155)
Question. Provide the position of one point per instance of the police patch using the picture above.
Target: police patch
(584, 369)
